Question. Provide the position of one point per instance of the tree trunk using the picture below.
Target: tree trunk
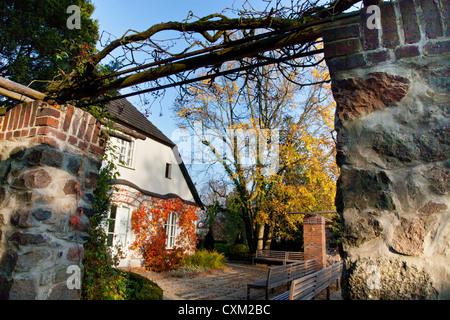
(268, 237)
(248, 230)
(260, 237)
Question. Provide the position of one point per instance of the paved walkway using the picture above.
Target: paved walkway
(228, 283)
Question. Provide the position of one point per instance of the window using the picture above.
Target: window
(111, 225)
(168, 171)
(125, 150)
(118, 226)
(171, 228)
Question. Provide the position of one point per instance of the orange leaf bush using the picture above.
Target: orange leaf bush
(148, 223)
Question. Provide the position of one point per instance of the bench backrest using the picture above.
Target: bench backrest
(302, 268)
(277, 276)
(280, 275)
(336, 270)
(303, 288)
(292, 255)
(271, 254)
(282, 255)
(308, 286)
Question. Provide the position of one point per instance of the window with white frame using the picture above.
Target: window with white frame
(118, 225)
(171, 228)
(111, 225)
(125, 150)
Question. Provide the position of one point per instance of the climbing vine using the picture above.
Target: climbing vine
(149, 225)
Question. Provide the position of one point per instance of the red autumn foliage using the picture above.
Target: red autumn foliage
(148, 223)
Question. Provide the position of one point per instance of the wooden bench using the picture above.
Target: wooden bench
(277, 256)
(280, 275)
(308, 286)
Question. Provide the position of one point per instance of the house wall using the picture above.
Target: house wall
(148, 174)
(392, 121)
(148, 171)
(132, 198)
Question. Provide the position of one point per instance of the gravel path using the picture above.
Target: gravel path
(228, 283)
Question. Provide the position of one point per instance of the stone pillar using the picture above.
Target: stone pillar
(49, 161)
(314, 239)
(393, 146)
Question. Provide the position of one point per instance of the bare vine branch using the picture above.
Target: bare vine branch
(278, 31)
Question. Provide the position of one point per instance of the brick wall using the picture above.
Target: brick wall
(407, 31)
(49, 162)
(54, 126)
(314, 239)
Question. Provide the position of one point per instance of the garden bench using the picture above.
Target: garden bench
(277, 256)
(280, 275)
(308, 286)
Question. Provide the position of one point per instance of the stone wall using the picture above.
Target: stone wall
(393, 141)
(49, 161)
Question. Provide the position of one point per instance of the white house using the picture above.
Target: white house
(148, 170)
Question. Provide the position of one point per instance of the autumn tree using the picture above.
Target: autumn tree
(36, 46)
(261, 136)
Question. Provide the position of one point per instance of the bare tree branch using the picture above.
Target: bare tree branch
(285, 33)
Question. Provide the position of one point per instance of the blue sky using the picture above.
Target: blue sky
(118, 16)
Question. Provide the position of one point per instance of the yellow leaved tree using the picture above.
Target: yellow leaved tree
(272, 138)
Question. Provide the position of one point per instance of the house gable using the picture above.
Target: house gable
(152, 152)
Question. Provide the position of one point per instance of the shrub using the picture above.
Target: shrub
(122, 285)
(239, 252)
(101, 281)
(205, 258)
(221, 246)
(148, 224)
(141, 288)
(107, 285)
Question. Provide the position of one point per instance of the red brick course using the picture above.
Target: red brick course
(314, 239)
(50, 125)
(408, 29)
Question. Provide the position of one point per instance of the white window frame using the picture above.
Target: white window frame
(125, 150)
(113, 227)
(171, 230)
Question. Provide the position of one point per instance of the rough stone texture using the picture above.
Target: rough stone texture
(365, 189)
(61, 292)
(378, 91)
(34, 179)
(364, 228)
(393, 147)
(409, 236)
(39, 174)
(23, 289)
(379, 278)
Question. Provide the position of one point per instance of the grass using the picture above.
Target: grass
(204, 259)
